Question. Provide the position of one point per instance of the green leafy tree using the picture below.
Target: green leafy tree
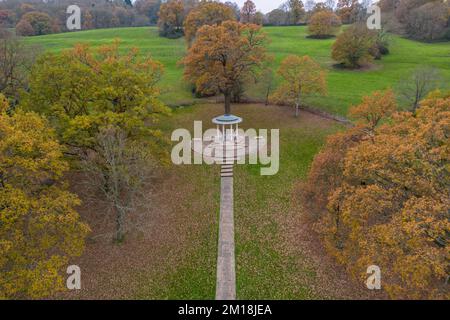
(301, 76)
(84, 92)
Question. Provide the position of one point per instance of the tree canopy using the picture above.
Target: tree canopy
(224, 56)
(301, 76)
(384, 196)
(171, 19)
(206, 13)
(324, 24)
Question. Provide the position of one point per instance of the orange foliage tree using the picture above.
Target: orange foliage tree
(301, 76)
(324, 24)
(206, 13)
(374, 108)
(171, 18)
(224, 56)
(390, 204)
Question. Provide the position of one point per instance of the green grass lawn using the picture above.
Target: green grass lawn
(266, 266)
(344, 87)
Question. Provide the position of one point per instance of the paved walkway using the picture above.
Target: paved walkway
(226, 272)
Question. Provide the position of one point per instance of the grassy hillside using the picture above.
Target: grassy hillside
(345, 87)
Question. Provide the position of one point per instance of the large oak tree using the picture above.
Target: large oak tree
(224, 56)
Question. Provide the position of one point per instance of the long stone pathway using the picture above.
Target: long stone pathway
(226, 271)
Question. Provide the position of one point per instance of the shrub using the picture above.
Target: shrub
(324, 24)
(355, 46)
(41, 22)
(24, 28)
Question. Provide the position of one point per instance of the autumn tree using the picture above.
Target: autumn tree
(84, 92)
(40, 22)
(327, 171)
(24, 28)
(248, 12)
(324, 24)
(301, 76)
(374, 108)
(40, 229)
(354, 47)
(224, 56)
(171, 19)
(206, 13)
(389, 205)
(395, 203)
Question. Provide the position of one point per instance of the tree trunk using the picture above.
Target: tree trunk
(227, 103)
(120, 234)
(296, 110)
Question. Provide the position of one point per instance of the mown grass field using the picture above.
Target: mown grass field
(268, 263)
(344, 87)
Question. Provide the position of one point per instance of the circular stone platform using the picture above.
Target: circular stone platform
(230, 144)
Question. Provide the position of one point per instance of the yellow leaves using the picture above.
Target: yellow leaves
(323, 24)
(373, 108)
(223, 56)
(37, 216)
(206, 13)
(29, 148)
(4, 105)
(45, 279)
(352, 47)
